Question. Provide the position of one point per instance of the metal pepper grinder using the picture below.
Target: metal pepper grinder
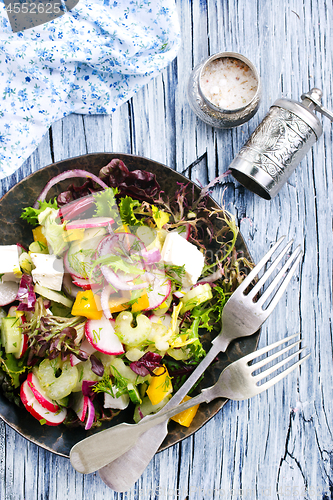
(279, 143)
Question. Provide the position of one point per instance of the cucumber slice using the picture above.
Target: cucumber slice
(196, 296)
(126, 372)
(52, 295)
(146, 408)
(84, 373)
(11, 335)
(146, 234)
(38, 247)
(133, 393)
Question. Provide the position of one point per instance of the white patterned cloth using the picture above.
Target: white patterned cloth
(89, 61)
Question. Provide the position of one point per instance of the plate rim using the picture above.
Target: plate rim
(214, 408)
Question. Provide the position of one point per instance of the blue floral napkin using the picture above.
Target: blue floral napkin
(88, 61)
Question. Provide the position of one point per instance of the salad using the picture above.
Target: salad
(106, 307)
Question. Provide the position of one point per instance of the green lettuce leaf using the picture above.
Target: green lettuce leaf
(31, 214)
(126, 208)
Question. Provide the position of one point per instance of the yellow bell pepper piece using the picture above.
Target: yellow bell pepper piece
(181, 341)
(117, 304)
(141, 303)
(73, 234)
(160, 385)
(185, 417)
(122, 229)
(160, 217)
(87, 304)
(38, 235)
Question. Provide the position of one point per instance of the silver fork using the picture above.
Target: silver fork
(236, 382)
(241, 316)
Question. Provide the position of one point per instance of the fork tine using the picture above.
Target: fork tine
(259, 364)
(281, 375)
(264, 350)
(298, 254)
(269, 271)
(278, 365)
(250, 277)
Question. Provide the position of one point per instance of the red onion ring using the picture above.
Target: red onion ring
(69, 174)
(105, 301)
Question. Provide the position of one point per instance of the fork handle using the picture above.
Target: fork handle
(95, 451)
(194, 377)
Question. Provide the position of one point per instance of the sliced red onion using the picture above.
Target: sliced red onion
(20, 248)
(108, 246)
(151, 256)
(26, 294)
(105, 300)
(71, 210)
(93, 222)
(90, 415)
(119, 283)
(68, 174)
(212, 277)
(140, 412)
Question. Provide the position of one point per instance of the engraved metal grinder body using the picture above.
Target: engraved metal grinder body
(279, 143)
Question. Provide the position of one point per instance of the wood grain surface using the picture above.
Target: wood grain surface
(277, 445)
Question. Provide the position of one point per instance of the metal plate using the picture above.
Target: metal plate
(60, 439)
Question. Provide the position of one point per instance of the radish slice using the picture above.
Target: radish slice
(85, 347)
(36, 409)
(89, 223)
(68, 174)
(158, 291)
(78, 258)
(100, 333)
(80, 405)
(85, 283)
(91, 414)
(23, 346)
(69, 287)
(39, 394)
(8, 292)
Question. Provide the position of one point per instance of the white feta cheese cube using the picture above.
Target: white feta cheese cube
(116, 403)
(9, 263)
(177, 251)
(49, 270)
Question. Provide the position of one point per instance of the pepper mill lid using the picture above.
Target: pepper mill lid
(311, 101)
(279, 143)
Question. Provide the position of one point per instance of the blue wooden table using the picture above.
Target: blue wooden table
(279, 444)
